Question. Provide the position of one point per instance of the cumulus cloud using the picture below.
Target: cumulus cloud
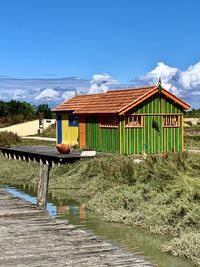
(19, 94)
(183, 83)
(190, 78)
(47, 93)
(100, 83)
(68, 94)
(169, 76)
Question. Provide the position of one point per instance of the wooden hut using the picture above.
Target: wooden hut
(129, 121)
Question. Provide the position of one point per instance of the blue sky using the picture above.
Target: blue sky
(114, 43)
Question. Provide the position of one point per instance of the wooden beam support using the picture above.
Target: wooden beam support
(43, 185)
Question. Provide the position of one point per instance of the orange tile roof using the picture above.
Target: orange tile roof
(109, 102)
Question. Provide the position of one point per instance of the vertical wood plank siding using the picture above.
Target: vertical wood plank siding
(131, 140)
(148, 139)
(64, 132)
(102, 139)
(82, 140)
(59, 129)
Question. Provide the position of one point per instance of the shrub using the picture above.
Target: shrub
(9, 138)
(50, 131)
(188, 246)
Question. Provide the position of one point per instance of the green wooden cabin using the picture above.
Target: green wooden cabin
(131, 121)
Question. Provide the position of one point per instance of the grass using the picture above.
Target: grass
(8, 139)
(11, 139)
(187, 245)
(15, 172)
(192, 142)
(161, 195)
(50, 131)
(32, 142)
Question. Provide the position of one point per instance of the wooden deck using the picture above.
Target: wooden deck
(41, 153)
(30, 237)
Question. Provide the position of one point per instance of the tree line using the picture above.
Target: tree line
(13, 112)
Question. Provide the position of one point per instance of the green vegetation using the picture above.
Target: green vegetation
(187, 245)
(161, 195)
(11, 139)
(49, 131)
(194, 113)
(192, 142)
(14, 112)
(15, 172)
(32, 142)
(8, 139)
(45, 111)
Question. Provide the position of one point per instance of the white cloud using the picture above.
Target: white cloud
(68, 94)
(100, 83)
(19, 94)
(163, 71)
(190, 78)
(30, 90)
(184, 84)
(47, 93)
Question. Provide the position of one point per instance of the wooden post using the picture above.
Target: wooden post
(43, 185)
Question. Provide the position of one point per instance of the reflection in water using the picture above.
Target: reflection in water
(71, 210)
(140, 242)
(62, 209)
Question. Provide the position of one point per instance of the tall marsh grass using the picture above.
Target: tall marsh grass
(8, 139)
(161, 195)
(192, 142)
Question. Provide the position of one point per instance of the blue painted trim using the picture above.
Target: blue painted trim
(73, 121)
(59, 128)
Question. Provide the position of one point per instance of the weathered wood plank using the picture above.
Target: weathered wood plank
(38, 153)
(43, 185)
(30, 237)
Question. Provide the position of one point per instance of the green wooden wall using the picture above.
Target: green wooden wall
(148, 139)
(137, 140)
(102, 139)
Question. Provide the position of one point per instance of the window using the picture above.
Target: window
(133, 121)
(109, 121)
(73, 121)
(171, 121)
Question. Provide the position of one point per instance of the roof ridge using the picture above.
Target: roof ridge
(132, 88)
(89, 94)
(152, 89)
(117, 90)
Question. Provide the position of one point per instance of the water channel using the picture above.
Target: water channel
(63, 205)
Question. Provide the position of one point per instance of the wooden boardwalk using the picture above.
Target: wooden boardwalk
(30, 237)
(44, 154)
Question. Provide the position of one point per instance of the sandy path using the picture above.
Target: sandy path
(26, 128)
